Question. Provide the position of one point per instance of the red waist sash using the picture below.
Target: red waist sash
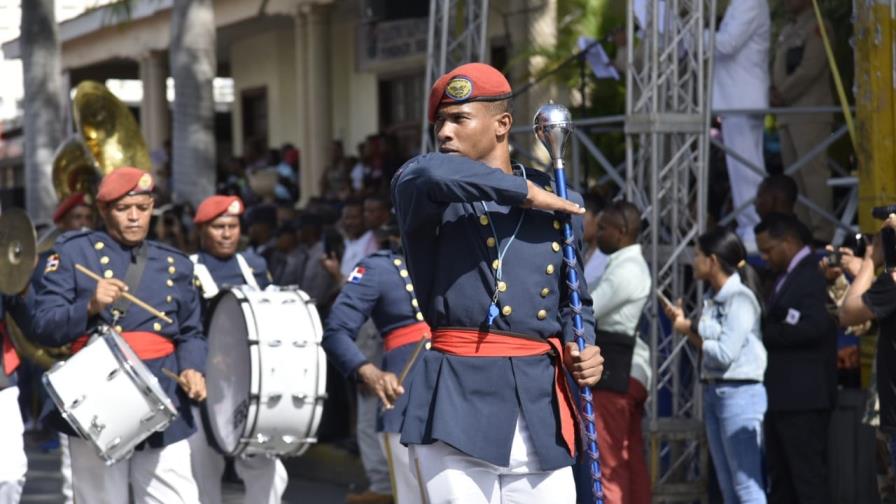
(474, 343)
(11, 359)
(405, 335)
(147, 345)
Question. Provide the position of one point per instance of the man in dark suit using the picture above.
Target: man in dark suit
(801, 377)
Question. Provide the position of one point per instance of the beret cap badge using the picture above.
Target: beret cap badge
(145, 182)
(459, 88)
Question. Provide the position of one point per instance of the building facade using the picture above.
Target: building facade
(305, 72)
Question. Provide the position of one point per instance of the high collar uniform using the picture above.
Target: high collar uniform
(472, 403)
(167, 284)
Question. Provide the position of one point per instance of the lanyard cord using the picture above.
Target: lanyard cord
(502, 253)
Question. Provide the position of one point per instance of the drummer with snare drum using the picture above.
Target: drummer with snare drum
(70, 304)
(379, 287)
(217, 265)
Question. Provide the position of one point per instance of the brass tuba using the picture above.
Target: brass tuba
(107, 137)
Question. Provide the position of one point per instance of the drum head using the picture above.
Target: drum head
(228, 371)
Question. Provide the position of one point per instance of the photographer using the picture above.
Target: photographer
(873, 297)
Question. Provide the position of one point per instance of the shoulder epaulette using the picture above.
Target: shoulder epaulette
(70, 235)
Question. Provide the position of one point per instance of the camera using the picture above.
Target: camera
(882, 212)
(887, 235)
(834, 259)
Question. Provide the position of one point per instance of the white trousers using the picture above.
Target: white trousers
(743, 134)
(155, 475)
(406, 487)
(265, 479)
(13, 462)
(372, 455)
(453, 477)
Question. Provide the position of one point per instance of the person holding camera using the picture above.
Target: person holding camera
(728, 333)
(873, 297)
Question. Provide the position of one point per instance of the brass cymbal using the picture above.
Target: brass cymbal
(18, 244)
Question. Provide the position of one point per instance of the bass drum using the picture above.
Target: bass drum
(266, 371)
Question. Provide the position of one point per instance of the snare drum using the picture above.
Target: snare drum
(109, 396)
(266, 371)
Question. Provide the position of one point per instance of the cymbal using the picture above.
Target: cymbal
(18, 243)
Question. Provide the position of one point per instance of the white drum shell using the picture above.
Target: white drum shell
(266, 372)
(109, 396)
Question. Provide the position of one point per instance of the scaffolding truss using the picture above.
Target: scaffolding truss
(457, 35)
(667, 149)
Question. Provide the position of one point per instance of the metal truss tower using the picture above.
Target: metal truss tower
(667, 148)
(457, 35)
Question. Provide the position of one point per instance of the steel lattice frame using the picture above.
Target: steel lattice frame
(457, 35)
(667, 147)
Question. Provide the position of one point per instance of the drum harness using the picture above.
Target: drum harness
(132, 278)
(209, 286)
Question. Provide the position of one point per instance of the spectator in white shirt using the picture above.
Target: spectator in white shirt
(741, 81)
(359, 241)
(619, 298)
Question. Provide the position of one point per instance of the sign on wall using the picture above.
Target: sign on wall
(385, 43)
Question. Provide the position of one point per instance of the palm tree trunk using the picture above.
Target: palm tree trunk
(44, 126)
(193, 64)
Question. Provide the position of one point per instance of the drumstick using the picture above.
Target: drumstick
(171, 374)
(130, 297)
(424, 341)
(180, 381)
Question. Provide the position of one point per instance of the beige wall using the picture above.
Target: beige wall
(266, 60)
(354, 95)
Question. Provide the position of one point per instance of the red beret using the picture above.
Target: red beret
(466, 83)
(67, 204)
(124, 181)
(214, 206)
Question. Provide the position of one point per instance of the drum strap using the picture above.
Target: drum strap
(132, 277)
(209, 286)
(247, 272)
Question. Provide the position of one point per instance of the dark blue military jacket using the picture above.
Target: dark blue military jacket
(472, 403)
(60, 314)
(375, 289)
(226, 272)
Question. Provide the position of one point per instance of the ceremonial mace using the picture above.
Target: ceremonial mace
(552, 125)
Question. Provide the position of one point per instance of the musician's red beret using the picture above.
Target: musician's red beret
(67, 204)
(466, 83)
(214, 206)
(124, 181)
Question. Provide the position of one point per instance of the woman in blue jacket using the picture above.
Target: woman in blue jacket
(733, 362)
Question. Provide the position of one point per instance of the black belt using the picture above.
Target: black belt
(725, 381)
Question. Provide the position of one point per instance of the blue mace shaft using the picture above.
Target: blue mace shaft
(572, 282)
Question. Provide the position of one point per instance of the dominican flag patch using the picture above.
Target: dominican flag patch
(356, 275)
(52, 263)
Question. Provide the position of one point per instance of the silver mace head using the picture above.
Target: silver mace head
(552, 125)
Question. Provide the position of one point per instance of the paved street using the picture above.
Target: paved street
(44, 481)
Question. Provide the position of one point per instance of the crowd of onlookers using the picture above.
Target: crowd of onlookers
(777, 333)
